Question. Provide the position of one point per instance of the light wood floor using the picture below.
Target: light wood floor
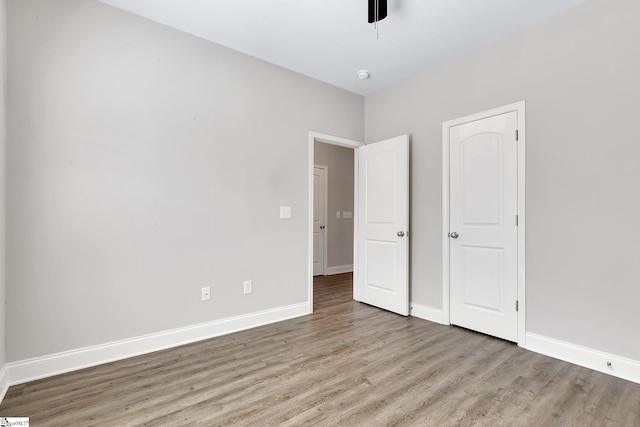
(347, 364)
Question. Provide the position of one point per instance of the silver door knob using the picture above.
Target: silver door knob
(453, 235)
(322, 227)
(400, 233)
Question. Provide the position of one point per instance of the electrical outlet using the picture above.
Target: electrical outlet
(206, 293)
(248, 287)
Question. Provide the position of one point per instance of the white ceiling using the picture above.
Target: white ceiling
(330, 40)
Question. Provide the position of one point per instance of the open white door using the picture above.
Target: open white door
(383, 221)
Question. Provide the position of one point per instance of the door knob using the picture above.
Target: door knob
(400, 233)
(453, 235)
(322, 227)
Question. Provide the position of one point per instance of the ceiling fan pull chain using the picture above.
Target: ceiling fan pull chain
(376, 11)
(377, 15)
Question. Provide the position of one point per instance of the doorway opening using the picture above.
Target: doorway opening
(332, 213)
(380, 221)
(333, 202)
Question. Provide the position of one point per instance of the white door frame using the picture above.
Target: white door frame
(518, 107)
(326, 216)
(343, 142)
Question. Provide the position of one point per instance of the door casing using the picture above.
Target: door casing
(518, 107)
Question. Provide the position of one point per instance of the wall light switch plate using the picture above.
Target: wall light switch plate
(338, 214)
(347, 214)
(248, 287)
(285, 212)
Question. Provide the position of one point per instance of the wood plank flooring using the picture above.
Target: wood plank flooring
(347, 364)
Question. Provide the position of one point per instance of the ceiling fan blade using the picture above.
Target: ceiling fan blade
(382, 10)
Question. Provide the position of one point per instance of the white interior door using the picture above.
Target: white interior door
(319, 219)
(483, 200)
(383, 221)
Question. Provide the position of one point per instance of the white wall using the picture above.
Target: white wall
(340, 198)
(3, 66)
(143, 164)
(578, 73)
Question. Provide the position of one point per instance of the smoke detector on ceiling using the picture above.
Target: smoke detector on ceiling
(363, 74)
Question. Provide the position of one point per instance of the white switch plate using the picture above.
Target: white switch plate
(285, 212)
(248, 287)
(206, 293)
(347, 214)
(338, 214)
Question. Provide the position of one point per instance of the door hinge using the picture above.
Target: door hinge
(517, 306)
(516, 220)
(517, 135)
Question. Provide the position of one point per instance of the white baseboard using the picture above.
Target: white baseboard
(4, 381)
(621, 367)
(59, 363)
(338, 269)
(427, 313)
